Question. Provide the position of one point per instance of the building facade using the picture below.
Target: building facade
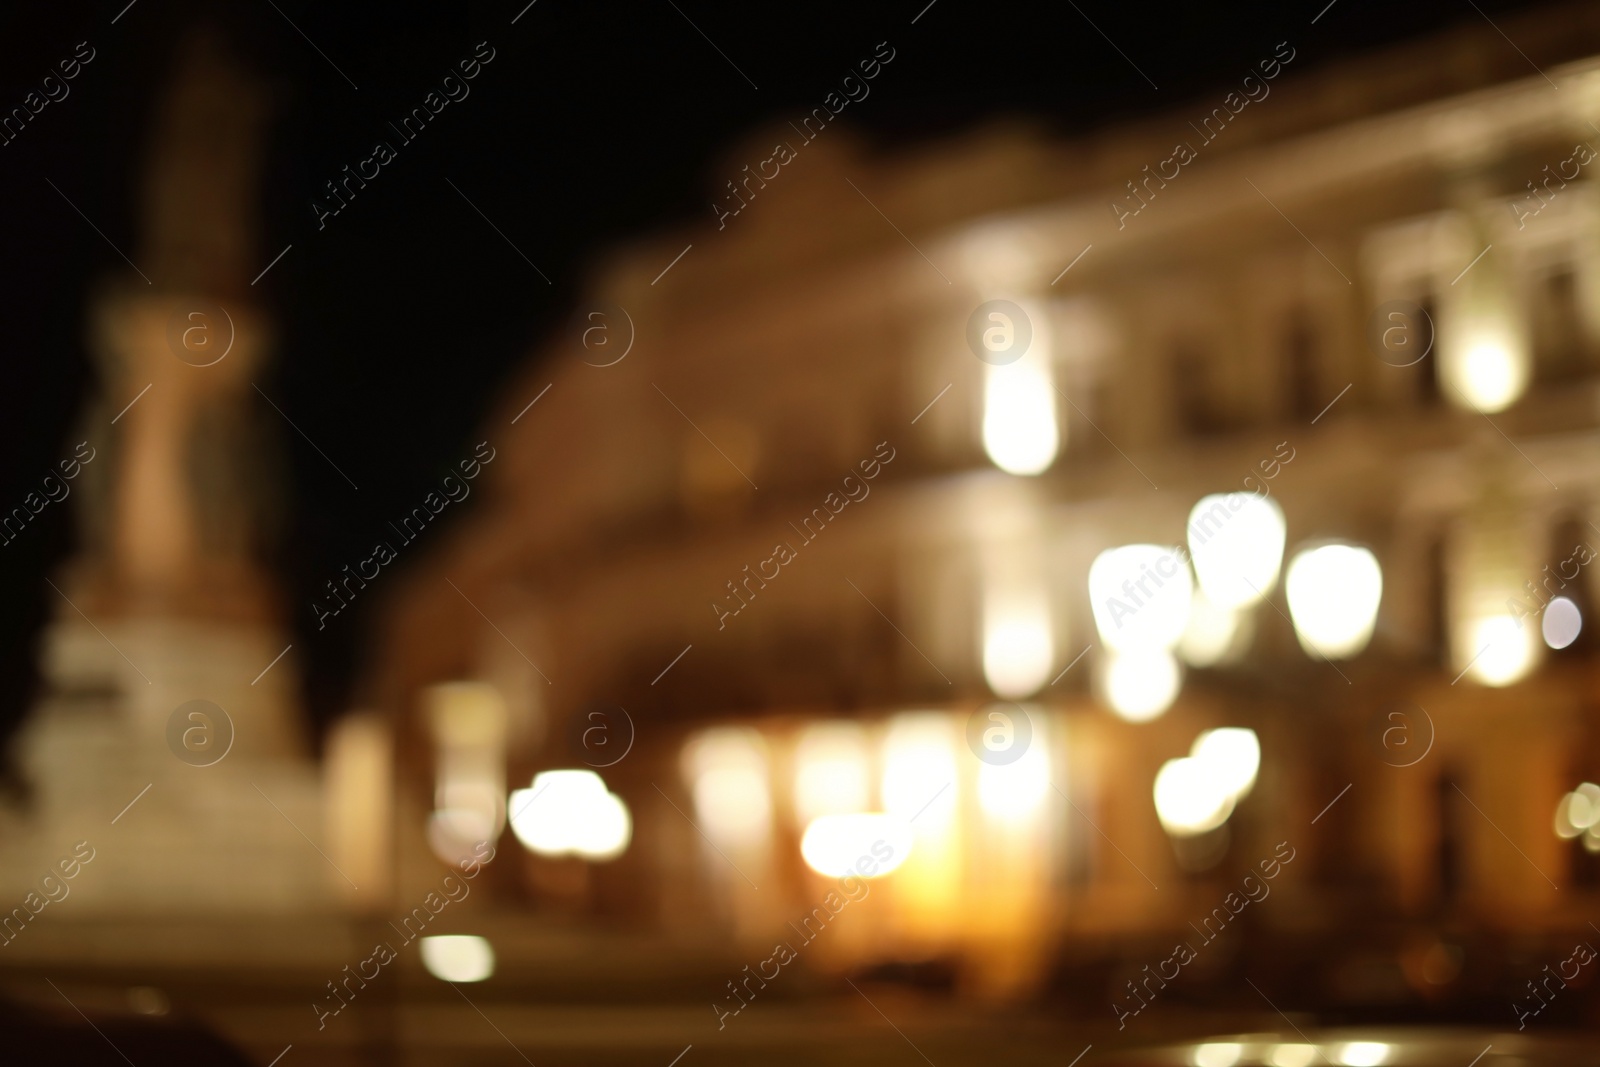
(780, 530)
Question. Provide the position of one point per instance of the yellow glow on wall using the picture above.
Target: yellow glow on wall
(359, 771)
(1483, 346)
(830, 771)
(1504, 650)
(924, 783)
(1014, 793)
(728, 775)
(919, 771)
(1007, 863)
(1018, 645)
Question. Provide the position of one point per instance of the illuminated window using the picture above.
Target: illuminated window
(1020, 432)
(1483, 344)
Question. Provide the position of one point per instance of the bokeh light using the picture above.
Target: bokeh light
(570, 812)
(1333, 593)
(1236, 542)
(457, 957)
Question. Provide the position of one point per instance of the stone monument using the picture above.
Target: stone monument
(167, 733)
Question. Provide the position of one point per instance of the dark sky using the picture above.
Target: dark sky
(595, 122)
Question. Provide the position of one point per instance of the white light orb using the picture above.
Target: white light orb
(1591, 792)
(1561, 624)
(1491, 375)
(1140, 685)
(1140, 595)
(1503, 650)
(869, 844)
(1189, 800)
(1231, 755)
(1236, 541)
(1573, 815)
(570, 812)
(609, 831)
(457, 957)
(1578, 811)
(1333, 593)
(1019, 417)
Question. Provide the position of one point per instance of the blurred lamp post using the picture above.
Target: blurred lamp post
(1333, 592)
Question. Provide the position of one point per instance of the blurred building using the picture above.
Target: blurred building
(871, 571)
(796, 515)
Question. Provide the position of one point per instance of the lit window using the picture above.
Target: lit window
(1020, 433)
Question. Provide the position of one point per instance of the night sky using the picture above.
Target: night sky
(402, 321)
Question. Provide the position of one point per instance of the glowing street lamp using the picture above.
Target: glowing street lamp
(1020, 433)
(1018, 646)
(1232, 755)
(869, 844)
(570, 812)
(1236, 541)
(1140, 596)
(1189, 799)
(1140, 685)
(1333, 591)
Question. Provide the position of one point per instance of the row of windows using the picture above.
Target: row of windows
(1562, 352)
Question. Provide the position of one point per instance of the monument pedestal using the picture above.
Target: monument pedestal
(227, 819)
